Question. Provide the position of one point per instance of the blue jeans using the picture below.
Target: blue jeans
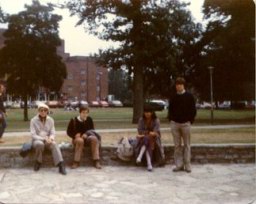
(2, 126)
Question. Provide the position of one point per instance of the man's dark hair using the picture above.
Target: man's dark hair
(83, 108)
(180, 80)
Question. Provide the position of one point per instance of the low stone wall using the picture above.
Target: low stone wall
(201, 153)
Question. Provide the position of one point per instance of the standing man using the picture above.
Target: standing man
(182, 112)
(2, 113)
(43, 136)
(81, 130)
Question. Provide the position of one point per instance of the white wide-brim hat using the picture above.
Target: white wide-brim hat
(42, 105)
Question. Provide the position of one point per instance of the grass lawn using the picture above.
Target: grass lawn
(117, 118)
(112, 118)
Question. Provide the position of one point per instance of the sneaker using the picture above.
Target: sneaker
(176, 169)
(75, 165)
(150, 168)
(138, 161)
(37, 166)
(97, 165)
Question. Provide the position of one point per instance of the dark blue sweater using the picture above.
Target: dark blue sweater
(182, 108)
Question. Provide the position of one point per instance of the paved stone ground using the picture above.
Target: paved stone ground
(215, 183)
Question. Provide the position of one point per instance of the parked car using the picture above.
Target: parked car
(154, 106)
(83, 103)
(8, 104)
(52, 104)
(160, 102)
(94, 104)
(15, 104)
(115, 103)
(204, 105)
(224, 105)
(31, 104)
(75, 105)
(104, 104)
(251, 105)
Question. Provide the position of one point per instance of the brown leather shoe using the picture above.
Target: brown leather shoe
(97, 165)
(75, 165)
(1, 140)
(188, 169)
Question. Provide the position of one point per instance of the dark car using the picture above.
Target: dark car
(154, 106)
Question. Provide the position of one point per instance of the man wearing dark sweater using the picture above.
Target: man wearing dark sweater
(81, 130)
(182, 112)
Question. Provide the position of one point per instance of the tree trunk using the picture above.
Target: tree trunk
(138, 99)
(25, 110)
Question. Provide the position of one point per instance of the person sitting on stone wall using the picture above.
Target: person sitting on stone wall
(81, 130)
(149, 140)
(43, 136)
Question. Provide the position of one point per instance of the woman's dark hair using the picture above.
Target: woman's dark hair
(149, 109)
(83, 108)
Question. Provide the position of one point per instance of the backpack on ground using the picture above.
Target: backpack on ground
(124, 149)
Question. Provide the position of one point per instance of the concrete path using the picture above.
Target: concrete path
(10, 134)
(207, 184)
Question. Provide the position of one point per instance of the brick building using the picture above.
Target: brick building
(85, 79)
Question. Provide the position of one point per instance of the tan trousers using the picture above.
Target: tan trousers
(182, 154)
(79, 147)
(53, 147)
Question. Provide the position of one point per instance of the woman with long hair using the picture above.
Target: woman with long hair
(149, 145)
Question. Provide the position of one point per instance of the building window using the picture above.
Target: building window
(70, 76)
(83, 83)
(83, 95)
(82, 72)
(70, 88)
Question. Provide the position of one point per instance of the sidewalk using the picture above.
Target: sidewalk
(122, 185)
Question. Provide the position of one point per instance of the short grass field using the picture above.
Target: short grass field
(113, 118)
(119, 118)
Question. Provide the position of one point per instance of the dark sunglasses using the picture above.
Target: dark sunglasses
(43, 110)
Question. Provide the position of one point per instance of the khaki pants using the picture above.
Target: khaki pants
(53, 147)
(182, 154)
(79, 147)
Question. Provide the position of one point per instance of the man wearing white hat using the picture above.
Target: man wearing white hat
(43, 136)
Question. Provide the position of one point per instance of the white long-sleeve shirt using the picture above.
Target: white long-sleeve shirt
(40, 130)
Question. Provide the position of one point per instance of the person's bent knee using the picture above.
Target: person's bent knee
(79, 141)
(38, 145)
(93, 139)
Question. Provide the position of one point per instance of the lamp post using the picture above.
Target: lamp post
(99, 83)
(211, 87)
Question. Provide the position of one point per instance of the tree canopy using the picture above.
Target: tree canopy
(29, 58)
(152, 36)
(229, 46)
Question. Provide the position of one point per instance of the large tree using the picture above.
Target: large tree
(229, 46)
(143, 30)
(29, 58)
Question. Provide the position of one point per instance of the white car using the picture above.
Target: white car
(160, 102)
(115, 103)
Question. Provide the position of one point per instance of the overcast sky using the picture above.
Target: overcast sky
(77, 42)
